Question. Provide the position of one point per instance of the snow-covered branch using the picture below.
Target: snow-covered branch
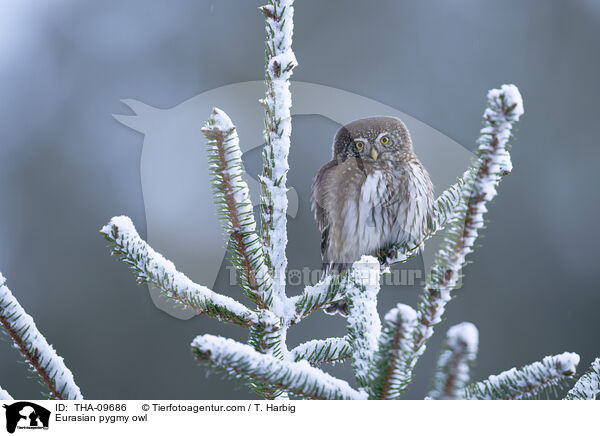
(40, 355)
(5, 396)
(151, 267)
(317, 351)
(364, 325)
(454, 364)
(330, 289)
(527, 382)
(588, 385)
(388, 371)
(235, 208)
(504, 108)
(297, 378)
(279, 63)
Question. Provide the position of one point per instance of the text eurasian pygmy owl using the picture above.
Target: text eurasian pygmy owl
(373, 193)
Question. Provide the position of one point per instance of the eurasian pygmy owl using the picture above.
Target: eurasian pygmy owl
(373, 193)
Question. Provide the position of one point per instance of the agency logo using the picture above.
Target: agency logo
(181, 219)
(26, 415)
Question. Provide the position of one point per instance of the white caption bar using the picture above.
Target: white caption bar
(298, 417)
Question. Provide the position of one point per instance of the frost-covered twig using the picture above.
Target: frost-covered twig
(504, 108)
(330, 289)
(317, 351)
(456, 358)
(364, 325)
(40, 355)
(527, 382)
(445, 205)
(5, 396)
(151, 267)
(279, 63)
(588, 385)
(297, 378)
(388, 371)
(233, 202)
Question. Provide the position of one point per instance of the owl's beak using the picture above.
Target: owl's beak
(374, 153)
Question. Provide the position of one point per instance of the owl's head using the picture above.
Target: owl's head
(373, 140)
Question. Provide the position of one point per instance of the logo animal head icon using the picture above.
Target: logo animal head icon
(26, 414)
(180, 216)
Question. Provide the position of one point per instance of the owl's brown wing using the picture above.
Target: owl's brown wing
(320, 193)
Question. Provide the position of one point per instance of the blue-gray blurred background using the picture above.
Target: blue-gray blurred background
(66, 167)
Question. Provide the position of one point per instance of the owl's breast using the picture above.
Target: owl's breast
(368, 209)
(365, 216)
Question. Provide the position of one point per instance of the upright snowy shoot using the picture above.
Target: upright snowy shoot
(454, 364)
(364, 325)
(388, 370)
(279, 63)
(235, 208)
(493, 162)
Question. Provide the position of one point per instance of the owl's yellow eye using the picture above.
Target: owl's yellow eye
(359, 145)
(385, 140)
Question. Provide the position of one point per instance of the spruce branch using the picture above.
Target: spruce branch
(588, 385)
(271, 342)
(445, 205)
(243, 362)
(279, 63)
(505, 107)
(318, 351)
(526, 382)
(363, 323)
(330, 289)
(151, 267)
(458, 353)
(40, 356)
(388, 372)
(5, 396)
(235, 208)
